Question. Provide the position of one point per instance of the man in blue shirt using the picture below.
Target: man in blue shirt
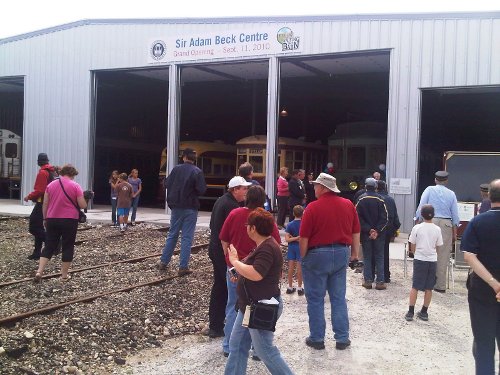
(445, 206)
(480, 246)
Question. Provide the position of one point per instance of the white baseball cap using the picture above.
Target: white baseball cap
(238, 181)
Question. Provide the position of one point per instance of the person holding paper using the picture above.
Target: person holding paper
(259, 277)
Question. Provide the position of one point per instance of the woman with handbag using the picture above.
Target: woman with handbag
(258, 279)
(61, 213)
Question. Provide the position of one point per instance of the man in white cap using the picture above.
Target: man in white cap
(446, 217)
(329, 238)
(236, 194)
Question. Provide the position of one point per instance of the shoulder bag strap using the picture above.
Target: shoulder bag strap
(67, 196)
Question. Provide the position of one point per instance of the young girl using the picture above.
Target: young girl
(113, 182)
(124, 200)
(135, 181)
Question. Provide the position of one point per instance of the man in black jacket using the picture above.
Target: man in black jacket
(392, 225)
(236, 194)
(373, 218)
(297, 191)
(184, 185)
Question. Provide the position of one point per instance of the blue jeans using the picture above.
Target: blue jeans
(135, 203)
(241, 340)
(232, 297)
(113, 211)
(324, 269)
(182, 219)
(373, 249)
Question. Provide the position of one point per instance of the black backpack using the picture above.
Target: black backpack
(52, 175)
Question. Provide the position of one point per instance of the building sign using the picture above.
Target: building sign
(400, 186)
(238, 43)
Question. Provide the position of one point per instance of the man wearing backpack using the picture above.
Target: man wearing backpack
(45, 175)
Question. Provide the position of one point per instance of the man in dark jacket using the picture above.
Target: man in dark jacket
(45, 175)
(236, 194)
(184, 185)
(297, 191)
(392, 225)
(373, 218)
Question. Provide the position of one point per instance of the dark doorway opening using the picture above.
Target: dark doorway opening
(456, 119)
(11, 133)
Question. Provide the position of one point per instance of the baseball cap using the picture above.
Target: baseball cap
(238, 181)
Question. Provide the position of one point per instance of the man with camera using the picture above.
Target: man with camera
(329, 238)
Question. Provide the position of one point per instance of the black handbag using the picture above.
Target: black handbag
(82, 218)
(260, 315)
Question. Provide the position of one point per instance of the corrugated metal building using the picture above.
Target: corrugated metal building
(426, 51)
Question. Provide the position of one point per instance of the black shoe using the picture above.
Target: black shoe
(290, 290)
(34, 257)
(318, 345)
(256, 358)
(226, 354)
(213, 334)
(409, 316)
(440, 290)
(423, 315)
(342, 345)
(300, 291)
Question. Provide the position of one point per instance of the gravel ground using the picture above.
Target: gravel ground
(382, 341)
(155, 330)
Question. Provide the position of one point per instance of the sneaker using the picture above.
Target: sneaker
(132, 223)
(440, 290)
(33, 257)
(423, 315)
(256, 358)
(367, 284)
(184, 271)
(342, 345)
(226, 354)
(161, 266)
(409, 316)
(380, 286)
(318, 345)
(290, 290)
(300, 291)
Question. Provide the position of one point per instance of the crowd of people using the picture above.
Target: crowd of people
(325, 232)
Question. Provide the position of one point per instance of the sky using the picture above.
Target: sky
(23, 16)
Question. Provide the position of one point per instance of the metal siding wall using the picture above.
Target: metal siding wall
(425, 53)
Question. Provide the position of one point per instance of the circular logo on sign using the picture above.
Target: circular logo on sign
(158, 49)
(284, 34)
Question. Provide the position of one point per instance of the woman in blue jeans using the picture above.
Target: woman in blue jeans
(258, 278)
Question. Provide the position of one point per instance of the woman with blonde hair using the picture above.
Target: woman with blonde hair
(60, 218)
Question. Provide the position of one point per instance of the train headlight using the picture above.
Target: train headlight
(353, 185)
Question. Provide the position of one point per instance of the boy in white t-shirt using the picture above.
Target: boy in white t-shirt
(424, 238)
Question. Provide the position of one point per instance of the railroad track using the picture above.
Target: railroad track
(194, 250)
(12, 319)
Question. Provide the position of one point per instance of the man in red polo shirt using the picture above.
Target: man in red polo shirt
(329, 238)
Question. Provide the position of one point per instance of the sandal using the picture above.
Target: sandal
(38, 277)
(67, 278)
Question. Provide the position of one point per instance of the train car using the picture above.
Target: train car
(356, 150)
(10, 162)
(215, 159)
(292, 153)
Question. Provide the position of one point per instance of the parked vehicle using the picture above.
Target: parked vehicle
(10, 162)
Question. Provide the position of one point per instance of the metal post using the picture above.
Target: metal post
(272, 126)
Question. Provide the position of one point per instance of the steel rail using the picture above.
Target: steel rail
(194, 249)
(15, 318)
